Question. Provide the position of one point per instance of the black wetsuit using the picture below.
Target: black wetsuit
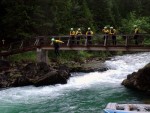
(72, 37)
(113, 37)
(78, 37)
(56, 47)
(89, 37)
(136, 36)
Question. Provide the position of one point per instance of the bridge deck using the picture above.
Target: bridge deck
(78, 48)
(102, 48)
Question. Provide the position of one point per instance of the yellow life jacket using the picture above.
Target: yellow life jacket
(112, 31)
(106, 31)
(89, 33)
(72, 33)
(78, 33)
(59, 41)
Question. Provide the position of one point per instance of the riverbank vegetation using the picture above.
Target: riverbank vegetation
(23, 57)
(65, 56)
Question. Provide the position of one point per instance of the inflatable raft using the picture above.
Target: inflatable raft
(127, 108)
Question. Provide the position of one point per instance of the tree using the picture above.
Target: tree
(133, 19)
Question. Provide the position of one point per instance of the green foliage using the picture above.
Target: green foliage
(84, 54)
(24, 19)
(147, 41)
(78, 56)
(23, 57)
(142, 22)
(27, 18)
(66, 56)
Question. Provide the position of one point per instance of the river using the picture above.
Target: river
(84, 92)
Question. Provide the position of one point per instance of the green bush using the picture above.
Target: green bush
(142, 22)
(26, 57)
(77, 56)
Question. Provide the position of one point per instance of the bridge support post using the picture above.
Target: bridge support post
(42, 55)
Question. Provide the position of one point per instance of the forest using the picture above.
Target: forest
(21, 19)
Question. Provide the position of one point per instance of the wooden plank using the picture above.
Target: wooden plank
(76, 48)
(140, 49)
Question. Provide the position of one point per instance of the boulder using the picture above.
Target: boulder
(89, 66)
(33, 70)
(37, 74)
(21, 81)
(139, 80)
(51, 78)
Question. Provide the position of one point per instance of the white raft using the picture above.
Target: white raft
(127, 108)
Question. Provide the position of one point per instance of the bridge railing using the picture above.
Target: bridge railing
(18, 45)
(96, 40)
(99, 40)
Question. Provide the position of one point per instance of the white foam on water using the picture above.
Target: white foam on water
(119, 68)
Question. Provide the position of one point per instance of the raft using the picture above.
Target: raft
(127, 108)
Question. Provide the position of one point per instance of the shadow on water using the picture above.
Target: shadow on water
(143, 97)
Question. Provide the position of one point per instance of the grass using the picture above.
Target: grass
(23, 57)
(65, 56)
(78, 56)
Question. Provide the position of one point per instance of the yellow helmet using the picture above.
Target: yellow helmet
(105, 27)
(71, 28)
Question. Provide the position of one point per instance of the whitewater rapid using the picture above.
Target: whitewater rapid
(118, 68)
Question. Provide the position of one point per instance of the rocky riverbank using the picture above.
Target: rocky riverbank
(139, 80)
(88, 66)
(39, 74)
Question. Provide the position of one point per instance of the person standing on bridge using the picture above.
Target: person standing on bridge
(78, 35)
(112, 33)
(89, 35)
(136, 32)
(72, 36)
(56, 45)
(106, 32)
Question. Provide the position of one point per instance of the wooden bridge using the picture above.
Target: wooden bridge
(43, 43)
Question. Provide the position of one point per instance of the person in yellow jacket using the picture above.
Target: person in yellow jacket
(56, 45)
(72, 36)
(78, 35)
(112, 33)
(105, 31)
(136, 32)
(89, 35)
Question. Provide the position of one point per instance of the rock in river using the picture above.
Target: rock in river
(139, 80)
(37, 74)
